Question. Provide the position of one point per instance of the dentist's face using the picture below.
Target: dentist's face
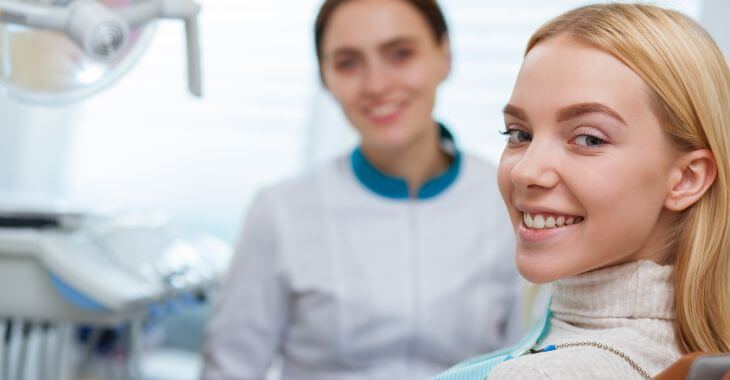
(381, 62)
(585, 171)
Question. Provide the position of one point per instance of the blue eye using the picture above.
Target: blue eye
(589, 141)
(516, 136)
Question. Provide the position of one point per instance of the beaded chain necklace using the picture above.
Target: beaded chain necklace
(591, 343)
(480, 367)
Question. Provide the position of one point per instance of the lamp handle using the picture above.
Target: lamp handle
(186, 10)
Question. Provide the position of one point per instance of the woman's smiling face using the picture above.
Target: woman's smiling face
(382, 64)
(585, 173)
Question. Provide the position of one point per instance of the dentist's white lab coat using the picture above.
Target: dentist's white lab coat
(343, 283)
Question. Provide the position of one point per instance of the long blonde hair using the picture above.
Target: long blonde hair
(690, 81)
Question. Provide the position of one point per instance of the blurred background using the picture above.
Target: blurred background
(145, 144)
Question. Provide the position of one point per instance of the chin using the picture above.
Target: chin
(393, 139)
(538, 270)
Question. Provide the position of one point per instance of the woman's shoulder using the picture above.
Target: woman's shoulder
(567, 363)
(478, 180)
(307, 182)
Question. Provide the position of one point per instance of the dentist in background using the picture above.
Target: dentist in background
(394, 261)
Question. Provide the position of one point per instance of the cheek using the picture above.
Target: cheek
(504, 179)
(421, 77)
(503, 175)
(344, 89)
(623, 199)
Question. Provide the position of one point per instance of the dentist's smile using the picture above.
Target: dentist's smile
(385, 113)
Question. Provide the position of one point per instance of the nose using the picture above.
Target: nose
(537, 168)
(377, 79)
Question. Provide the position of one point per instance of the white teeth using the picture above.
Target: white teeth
(550, 222)
(528, 220)
(540, 221)
(383, 110)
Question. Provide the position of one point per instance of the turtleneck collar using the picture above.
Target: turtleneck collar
(640, 289)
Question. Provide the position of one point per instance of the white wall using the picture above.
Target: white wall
(34, 143)
(714, 17)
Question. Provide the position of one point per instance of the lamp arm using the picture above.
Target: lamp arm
(195, 85)
(186, 10)
(46, 17)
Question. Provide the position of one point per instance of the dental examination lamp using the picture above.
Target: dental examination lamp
(56, 51)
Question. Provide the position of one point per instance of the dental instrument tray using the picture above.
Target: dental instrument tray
(76, 267)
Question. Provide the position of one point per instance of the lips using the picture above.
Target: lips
(383, 110)
(539, 227)
(385, 113)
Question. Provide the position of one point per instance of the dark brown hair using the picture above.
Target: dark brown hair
(429, 9)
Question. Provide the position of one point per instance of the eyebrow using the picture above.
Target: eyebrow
(569, 112)
(342, 51)
(397, 41)
(580, 109)
(515, 111)
(383, 46)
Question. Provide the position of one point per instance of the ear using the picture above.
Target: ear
(445, 46)
(694, 174)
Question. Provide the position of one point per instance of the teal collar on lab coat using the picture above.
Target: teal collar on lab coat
(397, 188)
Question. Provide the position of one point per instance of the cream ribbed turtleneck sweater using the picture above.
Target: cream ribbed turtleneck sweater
(629, 307)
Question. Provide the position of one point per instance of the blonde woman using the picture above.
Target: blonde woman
(615, 175)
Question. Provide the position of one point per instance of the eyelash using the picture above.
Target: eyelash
(601, 141)
(401, 54)
(346, 64)
(397, 55)
(508, 132)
